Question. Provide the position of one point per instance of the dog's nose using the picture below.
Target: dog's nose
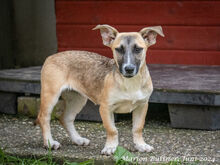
(129, 69)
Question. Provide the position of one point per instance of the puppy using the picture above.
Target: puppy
(119, 85)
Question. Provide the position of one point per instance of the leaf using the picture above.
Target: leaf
(88, 162)
(122, 155)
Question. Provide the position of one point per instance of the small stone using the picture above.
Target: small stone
(122, 139)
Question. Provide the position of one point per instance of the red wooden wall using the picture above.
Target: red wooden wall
(191, 28)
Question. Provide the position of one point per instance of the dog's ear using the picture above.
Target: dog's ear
(108, 34)
(150, 34)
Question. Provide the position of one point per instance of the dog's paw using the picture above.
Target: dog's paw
(144, 147)
(81, 141)
(108, 150)
(54, 145)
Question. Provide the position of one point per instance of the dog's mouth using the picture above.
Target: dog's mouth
(128, 75)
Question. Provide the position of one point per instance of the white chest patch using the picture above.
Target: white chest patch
(127, 101)
(127, 96)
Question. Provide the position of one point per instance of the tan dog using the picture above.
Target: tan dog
(118, 85)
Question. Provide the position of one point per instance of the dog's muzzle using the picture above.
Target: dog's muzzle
(129, 70)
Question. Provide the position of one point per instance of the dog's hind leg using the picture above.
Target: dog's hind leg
(74, 103)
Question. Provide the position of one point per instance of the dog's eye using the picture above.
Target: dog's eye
(137, 49)
(120, 49)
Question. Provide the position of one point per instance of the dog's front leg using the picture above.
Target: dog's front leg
(138, 118)
(112, 133)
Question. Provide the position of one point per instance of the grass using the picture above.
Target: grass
(6, 159)
(121, 157)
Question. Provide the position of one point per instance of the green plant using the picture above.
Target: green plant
(88, 162)
(6, 159)
(123, 157)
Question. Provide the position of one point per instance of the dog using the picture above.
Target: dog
(119, 85)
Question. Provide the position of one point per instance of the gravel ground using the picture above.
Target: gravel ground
(20, 137)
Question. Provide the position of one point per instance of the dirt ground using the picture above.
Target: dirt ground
(18, 136)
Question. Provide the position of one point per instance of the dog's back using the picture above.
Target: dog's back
(86, 69)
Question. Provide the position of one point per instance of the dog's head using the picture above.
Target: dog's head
(129, 49)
